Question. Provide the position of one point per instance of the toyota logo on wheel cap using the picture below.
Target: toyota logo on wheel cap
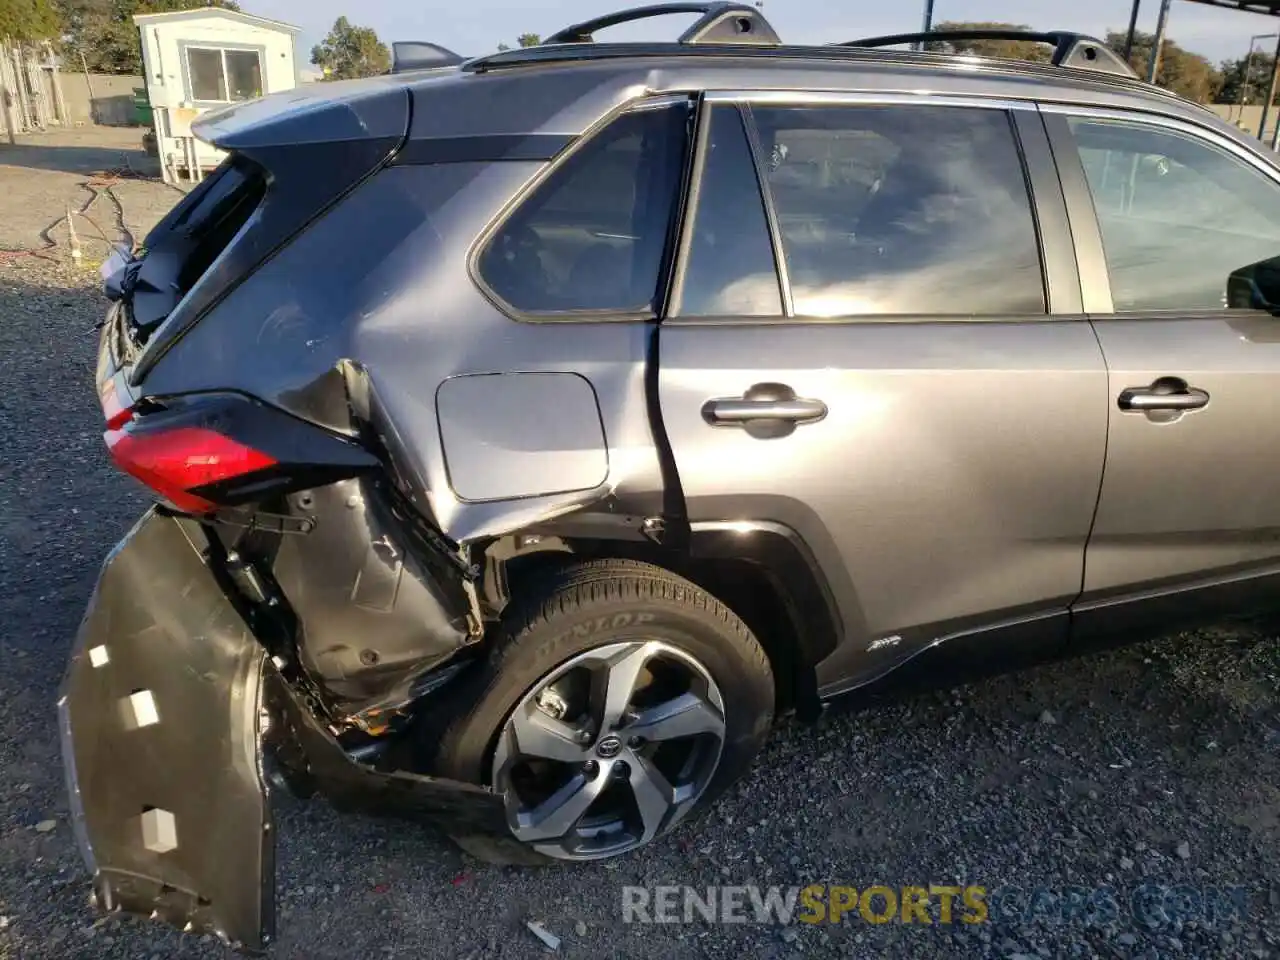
(609, 747)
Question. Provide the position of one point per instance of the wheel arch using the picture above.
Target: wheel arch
(762, 570)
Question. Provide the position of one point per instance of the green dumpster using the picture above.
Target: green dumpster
(141, 107)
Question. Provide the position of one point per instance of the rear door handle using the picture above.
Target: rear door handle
(765, 411)
(723, 412)
(1167, 393)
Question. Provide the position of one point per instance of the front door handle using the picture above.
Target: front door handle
(1165, 394)
(765, 411)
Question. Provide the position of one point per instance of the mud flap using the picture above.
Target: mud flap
(161, 719)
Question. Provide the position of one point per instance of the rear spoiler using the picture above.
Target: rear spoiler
(419, 55)
(334, 111)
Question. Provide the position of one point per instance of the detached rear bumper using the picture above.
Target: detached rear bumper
(167, 707)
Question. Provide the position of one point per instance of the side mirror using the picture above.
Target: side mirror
(1255, 287)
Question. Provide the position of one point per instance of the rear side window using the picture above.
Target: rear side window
(888, 210)
(731, 269)
(592, 237)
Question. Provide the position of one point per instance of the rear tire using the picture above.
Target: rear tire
(610, 618)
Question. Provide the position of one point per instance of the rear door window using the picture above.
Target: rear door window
(592, 238)
(902, 210)
(1185, 225)
(730, 267)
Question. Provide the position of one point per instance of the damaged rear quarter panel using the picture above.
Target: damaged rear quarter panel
(375, 609)
(379, 289)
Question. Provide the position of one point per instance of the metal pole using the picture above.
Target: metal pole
(1133, 27)
(1271, 96)
(1157, 45)
(928, 22)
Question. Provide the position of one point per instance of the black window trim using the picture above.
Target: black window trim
(509, 209)
(770, 211)
(689, 212)
(1033, 178)
(1095, 277)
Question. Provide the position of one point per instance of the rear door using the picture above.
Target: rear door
(883, 350)
(1179, 230)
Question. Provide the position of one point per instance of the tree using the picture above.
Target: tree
(29, 20)
(103, 31)
(524, 40)
(1236, 88)
(350, 51)
(1185, 73)
(1002, 49)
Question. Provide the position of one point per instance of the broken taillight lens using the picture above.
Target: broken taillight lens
(206, 451)
(175, 462)
(113, 410)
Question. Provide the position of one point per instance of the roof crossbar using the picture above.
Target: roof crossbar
(1074, 51)
(719, 22)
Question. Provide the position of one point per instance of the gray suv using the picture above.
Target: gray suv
(528, 432)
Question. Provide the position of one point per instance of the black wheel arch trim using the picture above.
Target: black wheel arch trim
(786, 559)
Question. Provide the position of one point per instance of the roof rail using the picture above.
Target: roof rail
(420, 55)
(1074, 51)
(720, 22)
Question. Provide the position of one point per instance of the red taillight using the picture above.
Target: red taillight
(175, 462)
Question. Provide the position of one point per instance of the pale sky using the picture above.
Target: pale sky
(473, 27)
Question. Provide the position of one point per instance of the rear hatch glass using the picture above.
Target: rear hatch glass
(185, 244)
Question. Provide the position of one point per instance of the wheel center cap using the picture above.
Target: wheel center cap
(609, 747)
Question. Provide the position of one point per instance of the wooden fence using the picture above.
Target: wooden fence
(30, 88)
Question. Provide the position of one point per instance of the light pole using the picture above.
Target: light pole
(928, 22)
(1133, 26)
(1157, 45)
(1271, 95)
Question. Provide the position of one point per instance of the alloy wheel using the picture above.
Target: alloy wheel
(609, 750)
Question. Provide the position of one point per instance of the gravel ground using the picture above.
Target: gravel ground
(46, 174)
(1152, 765)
